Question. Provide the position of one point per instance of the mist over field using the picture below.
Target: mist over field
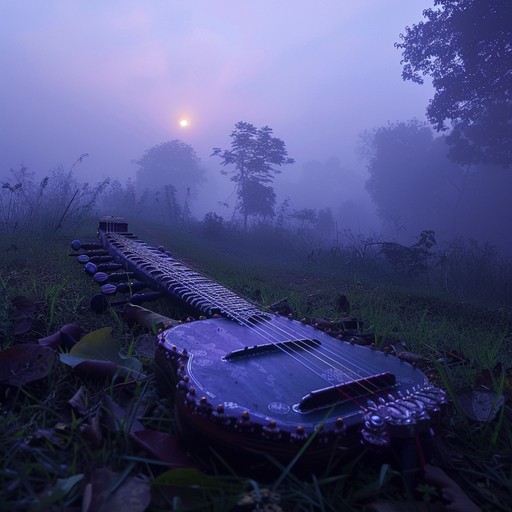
(255, 255)
(92, 88)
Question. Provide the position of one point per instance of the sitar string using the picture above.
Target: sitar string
(258, 327)
(183, 275)
(194, 281)
(191, 282)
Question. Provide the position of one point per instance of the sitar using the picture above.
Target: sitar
(249, 381)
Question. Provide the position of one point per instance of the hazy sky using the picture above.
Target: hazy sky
(112, 78)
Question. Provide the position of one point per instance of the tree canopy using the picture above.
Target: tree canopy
(465, 46)
(416, 187)
(412, 182)
(256, 156)
(173, 163)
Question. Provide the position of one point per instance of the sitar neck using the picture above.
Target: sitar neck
(173, 277)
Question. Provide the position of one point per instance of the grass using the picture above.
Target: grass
(51, 450)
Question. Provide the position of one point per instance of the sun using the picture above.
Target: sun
(184, 122)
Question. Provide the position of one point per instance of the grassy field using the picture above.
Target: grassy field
(70, 439)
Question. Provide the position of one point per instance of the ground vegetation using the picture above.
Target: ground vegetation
(76, 437)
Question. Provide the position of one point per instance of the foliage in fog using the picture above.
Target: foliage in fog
(254, 154)
(465, 48)
(161, 204)
(59, 200)
(415, 186)
(173, 163)
(410, 180)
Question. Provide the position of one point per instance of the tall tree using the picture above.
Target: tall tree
(173, 163)
(465, 47)
(254, 153)
(259, 199)
(412, 183)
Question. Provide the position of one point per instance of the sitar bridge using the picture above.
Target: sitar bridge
(353, 390)
(265, 348)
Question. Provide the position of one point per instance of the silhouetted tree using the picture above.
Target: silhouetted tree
(465, 47)
(417, 187)
(170, 163)
(412, 182)
(213, 224)
(172, 207)
(119, 199)
(328, 179)
(307, 217)
(487, 140)
(254, 153)
(325, 223)
(259, 199)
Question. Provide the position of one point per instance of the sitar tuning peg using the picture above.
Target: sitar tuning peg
(340, 428)
(103, 277)
(271, 430)
(299, 435)
(130, 287)
(76, 245)
(84, 258)
(92, 268)
(99, 302)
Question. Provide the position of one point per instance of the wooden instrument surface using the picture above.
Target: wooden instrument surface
(246, 368)
(250, 379)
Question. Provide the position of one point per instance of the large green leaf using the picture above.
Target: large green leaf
(188, 477)
(99, 346)
(53, 495)
(196, 490)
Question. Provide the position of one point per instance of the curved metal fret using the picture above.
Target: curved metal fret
(180, 281)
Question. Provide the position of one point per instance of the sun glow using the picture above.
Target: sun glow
(184, 122)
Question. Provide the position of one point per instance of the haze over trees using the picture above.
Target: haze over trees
(170, 163)
(465, 47)
(331, 184)
(411, 181)
(456, 183)
(254, 153)
(451, 175)
(415, 186)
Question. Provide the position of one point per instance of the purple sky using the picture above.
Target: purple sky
(112, 78)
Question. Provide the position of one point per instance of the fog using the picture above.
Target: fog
(114, 79)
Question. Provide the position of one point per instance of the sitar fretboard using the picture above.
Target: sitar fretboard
(175, 278)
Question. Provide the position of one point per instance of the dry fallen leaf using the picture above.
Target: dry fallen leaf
(23, 314)
(480, 404)
(162, 446)
(25, 363)
(133, 494)
(97, 355)
(120, 418)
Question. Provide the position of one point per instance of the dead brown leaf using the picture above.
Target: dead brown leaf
(480, 404)
(78, 401)
(23, 314)
(91, 432)
(65, 337)
(25, 363)
(162, 446)
(120, 418)
(103, 494)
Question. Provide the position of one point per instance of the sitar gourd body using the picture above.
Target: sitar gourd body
(252, 382)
